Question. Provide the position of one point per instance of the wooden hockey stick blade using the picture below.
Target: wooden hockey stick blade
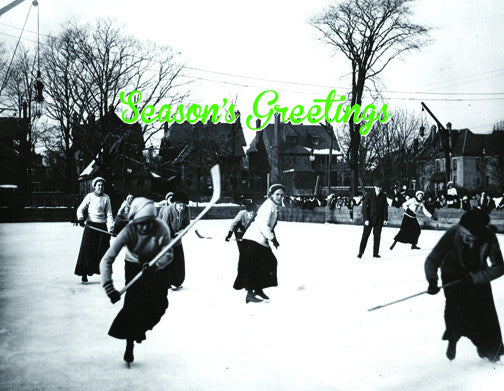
(216, 183)
(100, 230)
(201, 236)
(412, 296)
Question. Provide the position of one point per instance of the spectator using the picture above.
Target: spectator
(500, 206)
(466, 203)
(486, 203)
(397, 197)
(452, 200)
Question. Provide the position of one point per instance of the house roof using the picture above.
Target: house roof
(467, 143)
(305, 138)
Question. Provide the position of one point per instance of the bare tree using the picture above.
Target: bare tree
(370, 33)
(86, 69)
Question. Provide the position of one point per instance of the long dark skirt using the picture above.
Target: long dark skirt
(93, 246)
(176, 269)
(470, 312)
(409, 231)
(257, 267)
(144, 305)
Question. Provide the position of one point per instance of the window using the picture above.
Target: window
(478, 164)
(438, 165)
(454, 164)
(292, 139)
(316, 140)
(141, 182)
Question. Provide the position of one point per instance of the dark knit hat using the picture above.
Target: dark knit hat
(475, 221)
(377, 183)
(275, 187)
(180, 196)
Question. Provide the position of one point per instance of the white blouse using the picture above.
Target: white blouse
(416, 206)
(261, 229)
(98, 208)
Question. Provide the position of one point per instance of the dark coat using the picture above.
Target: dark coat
(375, 208)
(470, 309)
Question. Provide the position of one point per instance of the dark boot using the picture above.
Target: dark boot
(415, 247)
(252, 298)
(452, 350)
(128, 354)
(84, 278)
(393, 245)
(261, 294)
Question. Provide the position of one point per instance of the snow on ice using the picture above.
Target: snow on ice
(315, 334)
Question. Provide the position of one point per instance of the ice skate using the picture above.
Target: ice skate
(84, 279)
(415, 247)
(128, 353)
(451, 351)
(252, 298)
(261, 294)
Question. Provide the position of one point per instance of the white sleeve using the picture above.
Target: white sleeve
(83, 207)
(262, 220)
(108, 211)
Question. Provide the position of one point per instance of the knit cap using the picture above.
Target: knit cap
(142, 209)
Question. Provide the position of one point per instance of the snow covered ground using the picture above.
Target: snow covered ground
(53, 329)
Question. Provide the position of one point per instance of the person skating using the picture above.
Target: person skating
(257, 266)
(375, 215)
(176, 216)
(462, 254)
(145, 301)
(122, 214)
(97, 207)
(410, 229)
(241, 222)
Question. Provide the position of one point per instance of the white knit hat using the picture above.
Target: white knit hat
(96, 180)
(142, 209)
(275, 187)
(419, 192)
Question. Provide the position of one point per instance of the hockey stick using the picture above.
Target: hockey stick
(216, 183)
(100, 230)
(415, 295)
(209, 237)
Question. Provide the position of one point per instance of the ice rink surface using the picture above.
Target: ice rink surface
(314, 334)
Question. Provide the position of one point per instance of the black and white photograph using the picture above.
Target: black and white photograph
(188, 191)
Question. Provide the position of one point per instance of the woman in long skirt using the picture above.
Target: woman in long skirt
(470, 312)
(94, 243)
(241, 222)
(146, 300)
(410, 229)
(257, 266)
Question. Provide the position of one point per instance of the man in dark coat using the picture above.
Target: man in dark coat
(462, 255)
(375, 215)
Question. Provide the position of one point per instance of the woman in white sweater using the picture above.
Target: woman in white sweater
(257, 267)
(410, 229)
(95, 211)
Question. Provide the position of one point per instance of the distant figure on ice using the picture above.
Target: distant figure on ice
(122, 214)
(452, 200)
(94, 243)
(257, 266)
(410, 229)
(397, 197)
(375, 215)
(146, 300)
(176, 216)
(462, 254)
(241, 222)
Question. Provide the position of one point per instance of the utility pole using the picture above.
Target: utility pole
(445, 139)
(329, 129)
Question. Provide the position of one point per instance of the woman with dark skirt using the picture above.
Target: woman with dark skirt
(176, 217)
(410, 229)
(241, 222)
(257, 266)
(94, 243)
(146, 300)
(462, 255)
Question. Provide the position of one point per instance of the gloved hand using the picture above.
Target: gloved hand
(275, 242)
(113, 230)
(146, 269)
(433, 288)
(113, 295)
(229, 236)
(81, 222)
(366, 222)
